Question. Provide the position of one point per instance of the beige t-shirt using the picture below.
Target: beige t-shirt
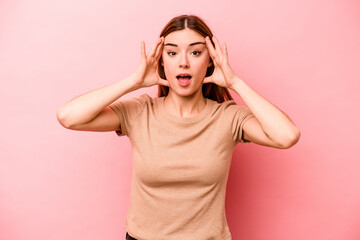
(180, 167)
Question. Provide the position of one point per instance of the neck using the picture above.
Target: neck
(184, 106)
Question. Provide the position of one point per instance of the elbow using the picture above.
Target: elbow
(291, 139)
(60, 116)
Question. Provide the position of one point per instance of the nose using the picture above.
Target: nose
(184, 61)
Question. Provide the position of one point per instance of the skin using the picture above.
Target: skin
(185, 101)
(270, 126)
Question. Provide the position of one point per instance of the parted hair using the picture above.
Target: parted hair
(195, 23)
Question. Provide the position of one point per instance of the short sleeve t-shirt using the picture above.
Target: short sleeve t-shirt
(180, 167)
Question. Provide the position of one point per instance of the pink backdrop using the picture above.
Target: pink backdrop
(62, 184)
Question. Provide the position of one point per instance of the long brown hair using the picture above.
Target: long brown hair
(209, 90)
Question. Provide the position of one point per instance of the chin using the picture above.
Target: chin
(186, 92)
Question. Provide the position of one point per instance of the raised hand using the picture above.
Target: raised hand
(223, 75)
(146, 74)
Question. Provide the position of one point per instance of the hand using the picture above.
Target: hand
(223, 75)
(146, 74)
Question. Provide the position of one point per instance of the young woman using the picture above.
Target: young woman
(182, 140)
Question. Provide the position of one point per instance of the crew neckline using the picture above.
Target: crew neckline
(185, 120)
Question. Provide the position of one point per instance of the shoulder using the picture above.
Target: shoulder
(230, 110)
(147, 99)
(141, 100)
(132, 106)
(229, 106)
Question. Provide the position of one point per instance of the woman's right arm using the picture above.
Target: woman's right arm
(91, 111)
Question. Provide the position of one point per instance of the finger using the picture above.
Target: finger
(159, 49)
(153, 49)
(217, 46)
(161, 80)
(143, 54)
(210, 47)
(207, 80)
(225, 51)
(164, 82)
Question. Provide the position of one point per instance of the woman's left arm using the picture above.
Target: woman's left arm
(270, 126)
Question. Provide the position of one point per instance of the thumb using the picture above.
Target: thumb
(163, 81)
(207, 80)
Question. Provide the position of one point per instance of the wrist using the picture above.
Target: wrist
(235, 81)
(131, 83)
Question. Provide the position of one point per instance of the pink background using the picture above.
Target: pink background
(302, 55)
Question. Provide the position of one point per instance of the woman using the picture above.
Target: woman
(182, 140)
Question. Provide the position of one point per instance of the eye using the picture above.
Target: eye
(198, 52)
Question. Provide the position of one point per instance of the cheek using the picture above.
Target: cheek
(168, 67)
(166, 60)
(202, 64)
(170, 64)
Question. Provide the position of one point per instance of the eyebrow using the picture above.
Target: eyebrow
(191, 44)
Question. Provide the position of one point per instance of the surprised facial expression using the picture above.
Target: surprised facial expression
(185, 59)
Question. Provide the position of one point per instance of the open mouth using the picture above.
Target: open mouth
(184, 79)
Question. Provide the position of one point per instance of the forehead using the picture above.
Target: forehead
(184, 37)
